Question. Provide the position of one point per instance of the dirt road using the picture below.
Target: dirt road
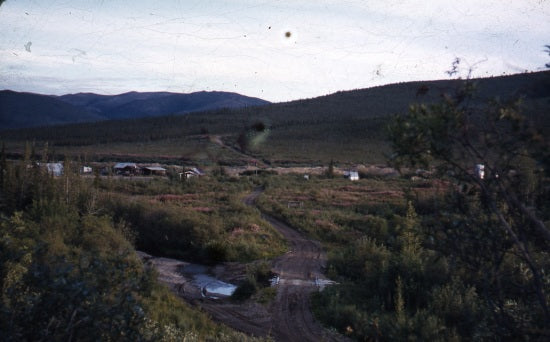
(288, 317)
(300, 274)
(299, 270)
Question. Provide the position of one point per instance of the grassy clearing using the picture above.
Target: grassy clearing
(195, 149)
(333, 210)
(202, 220)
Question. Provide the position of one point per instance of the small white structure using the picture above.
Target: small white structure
(480, 171)
(352, 175)
(193, 172)
(86, 169)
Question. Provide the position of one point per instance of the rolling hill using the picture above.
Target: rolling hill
(137, 105)
(23, 110)
(346, 126)
(19, 110)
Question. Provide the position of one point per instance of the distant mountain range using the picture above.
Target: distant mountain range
(24, 110)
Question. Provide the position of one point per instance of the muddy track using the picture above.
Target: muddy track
(288, 317)
(300, 271)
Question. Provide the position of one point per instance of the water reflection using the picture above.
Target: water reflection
(209, 286)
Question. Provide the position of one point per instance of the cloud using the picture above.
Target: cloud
(241, 45)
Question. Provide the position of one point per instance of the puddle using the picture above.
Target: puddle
(209, 286)
(213, 286)
(319, 282)
(322, 283)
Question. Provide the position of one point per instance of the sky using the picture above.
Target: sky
(274, 50)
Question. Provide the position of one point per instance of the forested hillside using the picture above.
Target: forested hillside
(346, 125)
(18, 110)
(137, 105)
(457, 253)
